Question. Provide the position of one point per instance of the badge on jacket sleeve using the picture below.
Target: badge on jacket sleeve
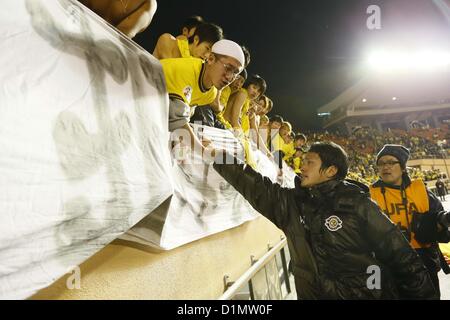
(333, 223)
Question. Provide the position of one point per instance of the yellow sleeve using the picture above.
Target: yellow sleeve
(288, 150)
(297, 164)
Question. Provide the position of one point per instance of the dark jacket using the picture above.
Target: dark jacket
(334, 233)
(440, 188)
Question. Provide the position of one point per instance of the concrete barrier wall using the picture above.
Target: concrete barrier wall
(124, 270)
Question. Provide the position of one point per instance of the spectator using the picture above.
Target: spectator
(191, 82)
(239, 103)
(441, 190)
(189, 26)
(415, 210)
(197, 46)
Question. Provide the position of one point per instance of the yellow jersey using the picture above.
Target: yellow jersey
(183, 46)
(184, 81)
(245, 120)
(297, 162)
(288, 149)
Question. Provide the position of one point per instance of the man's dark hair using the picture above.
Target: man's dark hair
(332, 154)
(257, 81)
(276, 118)
(246, 55)
(208, 32)
(192, 21)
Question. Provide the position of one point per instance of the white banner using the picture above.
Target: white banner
(84, 149)
(83, 140)
(203, 202)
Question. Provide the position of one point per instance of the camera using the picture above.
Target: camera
(443, 219)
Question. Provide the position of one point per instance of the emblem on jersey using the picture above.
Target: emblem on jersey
(187, 91)
(333, 223)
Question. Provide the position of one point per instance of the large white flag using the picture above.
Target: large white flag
(84, 149)
(83, 139)
(203, 202)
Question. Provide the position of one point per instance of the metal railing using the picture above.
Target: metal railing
(232, 288)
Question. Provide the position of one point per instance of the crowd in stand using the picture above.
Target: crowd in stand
(363, 144)
(243, 106)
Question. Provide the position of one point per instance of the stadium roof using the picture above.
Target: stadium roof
(383, 89)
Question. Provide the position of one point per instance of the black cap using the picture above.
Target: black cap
(395, 150)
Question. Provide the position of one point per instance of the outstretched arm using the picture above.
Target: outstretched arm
(269, 199)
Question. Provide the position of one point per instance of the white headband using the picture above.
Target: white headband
(229, 48)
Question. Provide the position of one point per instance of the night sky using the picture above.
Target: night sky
(308, 51)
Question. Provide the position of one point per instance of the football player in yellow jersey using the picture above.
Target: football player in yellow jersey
(239, 102)
(191, 82)
(197, 46)
(187, 31)
(189, 26)
(274, 127)
(129, 16)
(233, 87)
(300, 141)
(278, 140)
(261, 106)
(212, 115)
(225, 94)
(288, 147)
(264, 106)
(281, 149)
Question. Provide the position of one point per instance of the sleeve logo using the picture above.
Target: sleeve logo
(187, 91)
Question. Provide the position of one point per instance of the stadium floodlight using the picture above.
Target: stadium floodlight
(393, 61)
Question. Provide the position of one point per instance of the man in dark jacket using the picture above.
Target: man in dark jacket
(412, 207)
(341, 245)
(441, 190)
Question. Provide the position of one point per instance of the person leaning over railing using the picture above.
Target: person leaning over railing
(191, 82)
